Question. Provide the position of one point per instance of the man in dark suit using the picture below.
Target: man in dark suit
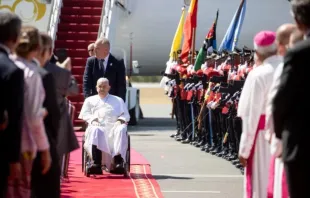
(291, 108)
(48, 185)
(12, 89)
(104, 64)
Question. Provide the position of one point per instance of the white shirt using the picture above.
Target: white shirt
(253, 99)
(105, 63)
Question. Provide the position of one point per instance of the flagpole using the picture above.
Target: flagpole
(192, 62)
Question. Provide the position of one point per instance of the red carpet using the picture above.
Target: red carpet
(141, 184)
(78, 27)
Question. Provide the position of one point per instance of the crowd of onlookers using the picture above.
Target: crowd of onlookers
(274, 143)
(35, 127)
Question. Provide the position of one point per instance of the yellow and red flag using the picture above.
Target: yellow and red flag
(188, 31)
(177, 41)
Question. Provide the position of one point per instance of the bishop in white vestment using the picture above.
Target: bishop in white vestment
(107, 117)
(254, 151)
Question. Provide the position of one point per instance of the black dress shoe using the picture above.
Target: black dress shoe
(94, 169)
(119, 169)
(201, 143)
(228, 155)
(185, 141)
(222, 154)
(179, 138)
(236, 161)
(210, 148)
(216, 150)
(238, 165)
(195, 143)
(175, 134)
(203, 148)
(119, 165)
(233, 157)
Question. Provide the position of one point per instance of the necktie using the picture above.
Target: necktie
(102, 65)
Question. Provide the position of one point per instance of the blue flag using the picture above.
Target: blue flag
(231, 37)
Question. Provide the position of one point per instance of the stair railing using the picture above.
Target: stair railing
(108, 23)
(110, 14)
(104, 18)
(54, 18)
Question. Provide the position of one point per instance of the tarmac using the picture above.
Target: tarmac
(182, 171)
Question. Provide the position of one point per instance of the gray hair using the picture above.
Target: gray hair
(10, 26)
(102, 80)
(103, 41)
(301, 11)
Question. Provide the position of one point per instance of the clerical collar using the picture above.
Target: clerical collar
(104, 97)
(6, 49)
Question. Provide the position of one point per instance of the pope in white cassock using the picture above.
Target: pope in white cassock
(254, 151)
(106, 140)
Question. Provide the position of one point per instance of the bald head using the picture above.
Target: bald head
(91, 49)
(295, 37)
(283, 37)
(91, 46)
(284, 32)
(102, 48)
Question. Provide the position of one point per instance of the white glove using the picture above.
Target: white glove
(209, 104)
(214, 105)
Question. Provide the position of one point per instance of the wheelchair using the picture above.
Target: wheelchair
(86, 160)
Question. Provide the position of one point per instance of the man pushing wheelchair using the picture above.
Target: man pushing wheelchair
(106, 139)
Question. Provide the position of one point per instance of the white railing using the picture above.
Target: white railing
(110, 17)
(109, 21)
(104, 18)
(54, 18)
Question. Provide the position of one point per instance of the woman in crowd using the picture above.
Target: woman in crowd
(34, 137)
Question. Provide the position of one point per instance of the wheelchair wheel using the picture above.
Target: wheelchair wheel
(127, 164)
(83, 153)
(85, 164)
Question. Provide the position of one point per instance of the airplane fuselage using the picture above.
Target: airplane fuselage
(154, 22)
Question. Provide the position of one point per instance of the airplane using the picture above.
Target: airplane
(146, 28)
(141, 31)
(153, 23)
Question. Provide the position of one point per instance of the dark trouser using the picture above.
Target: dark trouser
(237, 124)
(3, 180)
(176, 114)
(206, 125)
(298, 178)
(216, 127)
(97, 155)
(48, 185)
